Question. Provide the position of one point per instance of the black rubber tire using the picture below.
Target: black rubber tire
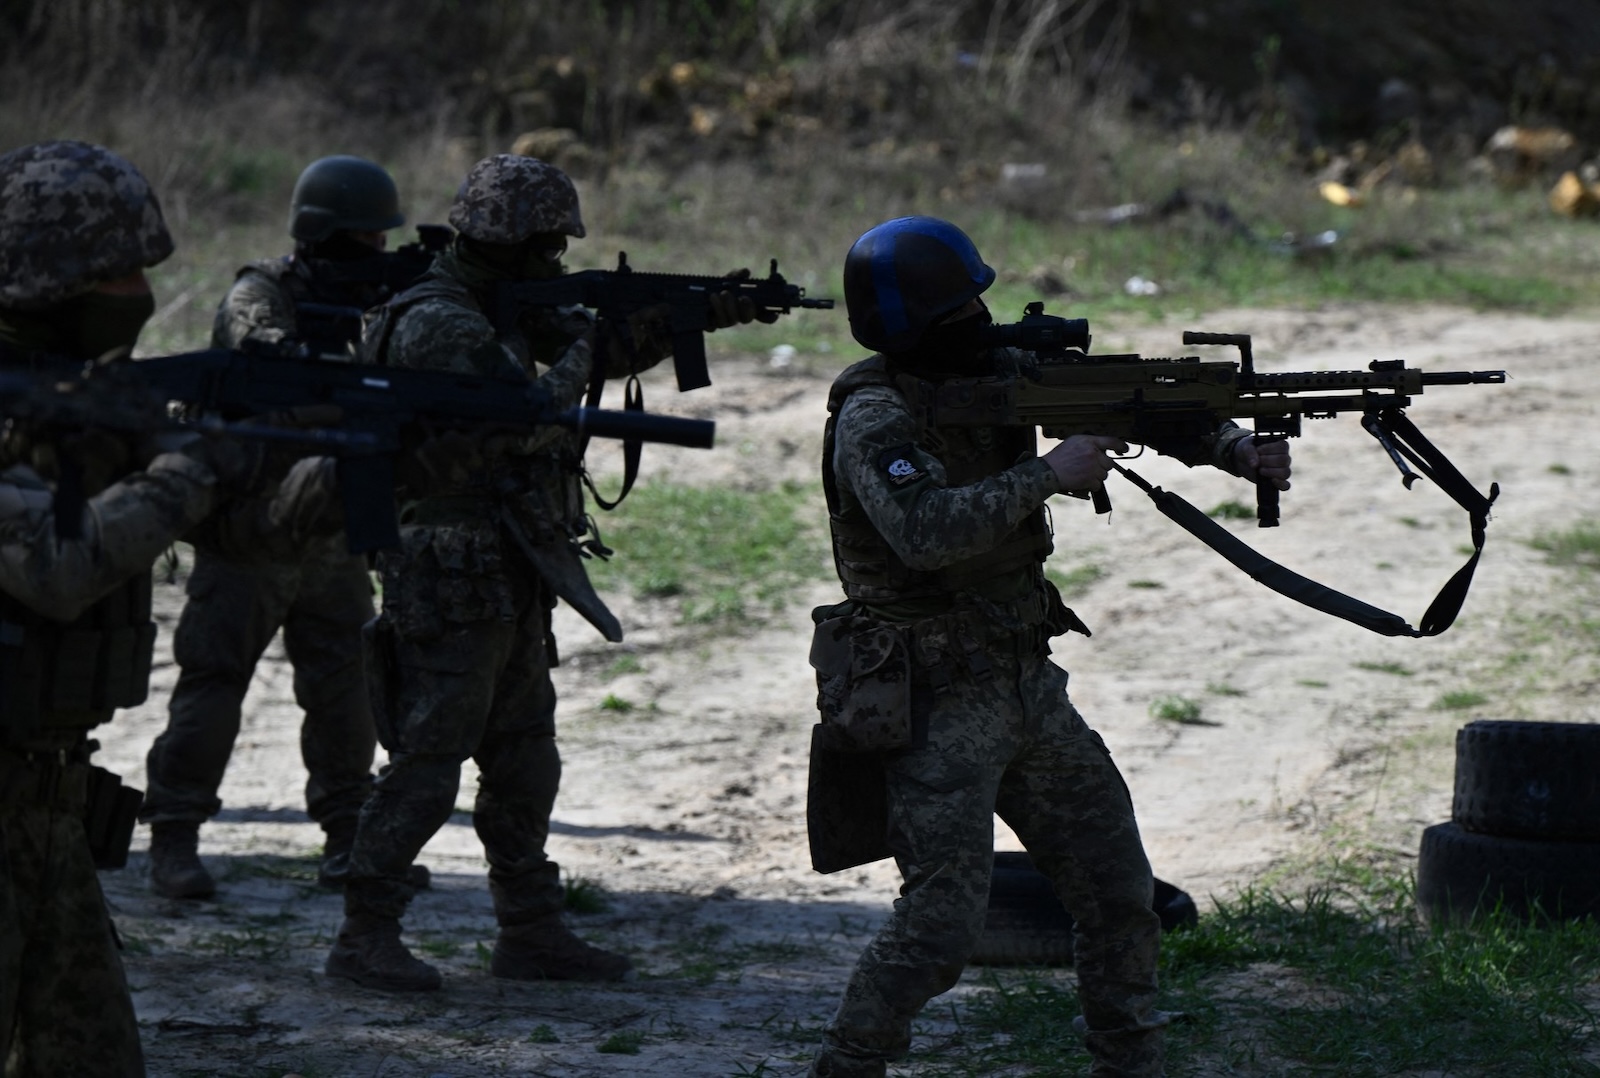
(1538, 780)
(1460, 872)
(1026, 924)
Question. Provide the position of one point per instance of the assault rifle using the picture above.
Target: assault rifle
(1171, 404)
(616, 295)
(384, 411)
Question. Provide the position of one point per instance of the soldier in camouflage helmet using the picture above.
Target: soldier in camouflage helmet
(339, 214)
(78, 226)
(938, 663)
(460, 658)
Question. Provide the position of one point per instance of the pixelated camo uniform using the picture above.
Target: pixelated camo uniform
(320, 598)
(464, 639)
(64, 1005)
(940, 534)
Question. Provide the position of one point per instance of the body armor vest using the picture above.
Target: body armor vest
(327, 314)
(67, 675)
(868, 567)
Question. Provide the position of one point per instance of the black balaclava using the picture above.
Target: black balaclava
(87, 326)
(950, 350)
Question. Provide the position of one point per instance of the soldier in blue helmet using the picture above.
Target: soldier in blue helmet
(938, 660)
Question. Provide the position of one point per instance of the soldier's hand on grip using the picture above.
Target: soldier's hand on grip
(734, 309)
(1080, 462)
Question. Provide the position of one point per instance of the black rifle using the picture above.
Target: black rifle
(384, 411)
(616, 295)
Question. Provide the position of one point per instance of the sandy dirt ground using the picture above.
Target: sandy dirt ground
(689, 809)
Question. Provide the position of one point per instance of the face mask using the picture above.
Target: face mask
(87, 326)
(951, 350)
(531, 261)
(110, 323)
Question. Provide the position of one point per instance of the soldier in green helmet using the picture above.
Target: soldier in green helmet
(339, 216)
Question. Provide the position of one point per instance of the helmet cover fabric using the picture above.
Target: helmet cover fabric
(507, 198)
(73, 214)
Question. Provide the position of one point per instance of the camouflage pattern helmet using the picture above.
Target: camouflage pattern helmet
(507, 198)
(71, 215)
(343, 193)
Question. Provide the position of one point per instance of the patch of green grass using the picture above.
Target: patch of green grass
(626, 664)
(1342, 979)
(1179, 709)
(1459, 700)
(583, 895)
(543, 1034)
(1312, 683)
(613, 702)
(1222, 688)
(1146, 584)
(1559, 469)
(1074, 582)
(726, 556)
(625, 1042)
(439, 947)
(1576, 546)
(1232, 510)
(1394, 668)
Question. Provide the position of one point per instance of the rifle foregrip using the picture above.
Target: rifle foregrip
(640, 427)
(1266, 504)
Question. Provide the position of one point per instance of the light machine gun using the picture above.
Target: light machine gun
(1171, 404)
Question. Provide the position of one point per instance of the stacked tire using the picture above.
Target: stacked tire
(1026, 925)
(1524, 830)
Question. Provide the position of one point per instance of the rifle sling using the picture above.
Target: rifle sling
(1441, 613)
(632, 448)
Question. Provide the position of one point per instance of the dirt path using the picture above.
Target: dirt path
(689, 810)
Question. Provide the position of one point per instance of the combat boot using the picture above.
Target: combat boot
(175, 868)
(368, 951)
(334, 868)
(546, 950)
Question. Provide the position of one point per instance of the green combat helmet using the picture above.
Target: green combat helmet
(72, 214)
(507, 198)
(343, 193)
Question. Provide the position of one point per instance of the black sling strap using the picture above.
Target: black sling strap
(632, 449)
(1400, 437)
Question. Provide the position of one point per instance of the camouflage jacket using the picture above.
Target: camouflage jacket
(125, 527)
(260, 305)
(950, 510)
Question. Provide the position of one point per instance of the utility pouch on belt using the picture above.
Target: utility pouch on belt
(377, 655)
(847, 806)
(109, 813)
(863, 684)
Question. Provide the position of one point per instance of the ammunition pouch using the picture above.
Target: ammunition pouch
(378, 664)
(56, 676)
(110, 811)
(863, 683)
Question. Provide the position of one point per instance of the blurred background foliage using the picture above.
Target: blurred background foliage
(1107, 154)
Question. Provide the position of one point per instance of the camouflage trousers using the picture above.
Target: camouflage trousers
(477, 689)
(232, 613)
(65, 1011)
(1013, 746)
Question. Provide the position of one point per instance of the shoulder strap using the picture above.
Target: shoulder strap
(1397, 433)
